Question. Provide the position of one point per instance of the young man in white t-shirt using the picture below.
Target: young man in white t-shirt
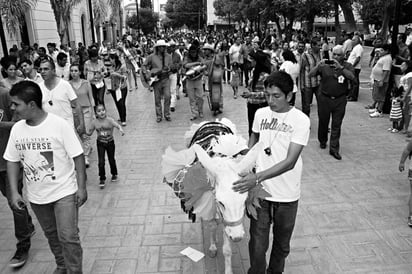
(53, 162)
(284, 130)
(59, 97)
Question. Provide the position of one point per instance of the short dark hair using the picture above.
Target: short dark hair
(27, 61)
(6, 62)
(386, 47)
(93, 53)
(50, 61)
(61, 56)
(28, 91)
(289, 56)
(281, 80)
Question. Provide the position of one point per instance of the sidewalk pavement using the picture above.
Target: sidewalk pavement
(351, 218)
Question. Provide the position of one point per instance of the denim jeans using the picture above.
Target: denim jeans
(23, 226)
(98, 94)
(110, 148)
(307, 98)
(161, 90)
(59, 221)
(283, 216)
(120, 104)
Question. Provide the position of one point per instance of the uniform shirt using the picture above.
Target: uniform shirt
(46, 152)
(333, 82)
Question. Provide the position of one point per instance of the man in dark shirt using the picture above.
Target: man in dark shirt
(332, 100)
(23, 226)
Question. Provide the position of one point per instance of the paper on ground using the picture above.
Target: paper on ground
(192, 254)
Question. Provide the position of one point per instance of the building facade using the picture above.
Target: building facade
(40, 27)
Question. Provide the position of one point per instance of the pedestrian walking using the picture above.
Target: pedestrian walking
(118, 90)
(83, 90)
(104, 126)
(55, 179)
(23, 225)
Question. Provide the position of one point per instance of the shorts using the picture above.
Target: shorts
(379, 93)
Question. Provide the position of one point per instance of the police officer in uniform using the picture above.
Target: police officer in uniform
(335, 76)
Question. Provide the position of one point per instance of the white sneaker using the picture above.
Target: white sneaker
(376, 114)
(372, 110)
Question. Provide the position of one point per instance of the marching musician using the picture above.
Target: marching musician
(157, 66)
(194, 86)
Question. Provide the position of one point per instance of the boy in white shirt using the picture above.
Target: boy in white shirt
(284, 130)
(52, 157)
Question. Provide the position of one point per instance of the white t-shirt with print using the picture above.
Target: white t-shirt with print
(277, 131)
(60, 97)
(46, 152)
(355, 53)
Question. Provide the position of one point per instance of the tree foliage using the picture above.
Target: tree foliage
(147, 19)
(62, 13)
(185, 12)
(146, 4)
(13, 13)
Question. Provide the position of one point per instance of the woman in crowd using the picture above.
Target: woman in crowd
(118, 77)
(84, 94)
(10, 73)
(95, 70)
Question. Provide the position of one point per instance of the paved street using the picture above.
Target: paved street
(351, 218)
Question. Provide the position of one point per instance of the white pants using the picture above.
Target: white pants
(174, 91)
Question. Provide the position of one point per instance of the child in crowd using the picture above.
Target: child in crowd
(104, 126)
(235, 74)
(407, 152)
(396, 110)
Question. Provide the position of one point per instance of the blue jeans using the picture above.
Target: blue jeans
(59, 221)
(23, 226)
(283, 216)
(110, 148)
(162, 89)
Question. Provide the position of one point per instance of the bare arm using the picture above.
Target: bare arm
(251, 180)
(16, 200)
(78, 113)
(81, 179)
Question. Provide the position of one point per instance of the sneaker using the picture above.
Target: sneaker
(376, 114)
(372, 110)
(114, 178)
(390, 129)
(102, 184)
(394, 130)
(19, 258)
(410, 221)
(124, 124)
(172, 109)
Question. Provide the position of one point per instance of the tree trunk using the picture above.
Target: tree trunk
(348, 14)
(121, 21)
(310, 22)
(386, 18)
(337, 24)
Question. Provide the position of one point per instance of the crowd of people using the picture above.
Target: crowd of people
(40, 89)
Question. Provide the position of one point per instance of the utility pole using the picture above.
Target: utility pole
(91, 21)
(3, 39)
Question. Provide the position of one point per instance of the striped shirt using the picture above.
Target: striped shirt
(309, 61)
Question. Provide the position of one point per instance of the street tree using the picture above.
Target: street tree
(185, 12)
(62, 13)
(100, 12)
(148, 20)
(12, 11)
